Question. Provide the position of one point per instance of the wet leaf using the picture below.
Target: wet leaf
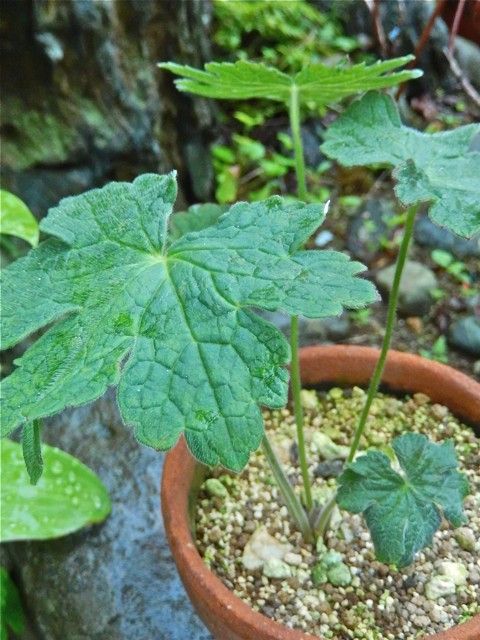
(16, 219)
(67, 497)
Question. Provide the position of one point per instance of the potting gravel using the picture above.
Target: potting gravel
(241, 522)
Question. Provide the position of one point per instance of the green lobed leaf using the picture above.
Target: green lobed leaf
(11, 610)
(16, 219)
(168, 321)
(317, 83)
(403, 510)
(198, 217)
(67, 497)
(32, 450)
(429, 167)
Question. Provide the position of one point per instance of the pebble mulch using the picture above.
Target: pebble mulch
(245, 535)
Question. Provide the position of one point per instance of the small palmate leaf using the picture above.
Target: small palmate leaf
(32, 449)
(317, 83)
(198, 217)
(429, 167)
(403, 510)
(67, 497)
(168, 321)
(16, 219)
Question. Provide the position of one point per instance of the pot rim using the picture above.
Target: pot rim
(404, 372)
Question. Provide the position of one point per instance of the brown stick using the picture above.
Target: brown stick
(464, 81)
(422, 41)
(455, 25)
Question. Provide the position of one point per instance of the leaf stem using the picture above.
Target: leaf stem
(321, 525)
(292, 501)
(298, 409)
(294, 113)
(390, 323)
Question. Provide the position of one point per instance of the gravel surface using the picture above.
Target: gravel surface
(248, 526)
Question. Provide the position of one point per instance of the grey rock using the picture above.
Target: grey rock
(65, 130)
(328, 469)
(367, 228)
(416, 284)
(464, 334)
(428, 234)
(333, 328)
(117, 580)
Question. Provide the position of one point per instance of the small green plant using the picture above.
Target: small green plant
(162, 308)
(438, 351)
(456, 268)
(287, 34)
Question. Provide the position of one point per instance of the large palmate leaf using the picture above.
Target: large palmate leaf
(436, 167)
(403, 510)
(317, 83)
(168, 321)
(67, 497)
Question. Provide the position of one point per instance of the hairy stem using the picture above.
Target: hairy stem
(294, 112)
(391, 315)
(298, 409)
(292, 501)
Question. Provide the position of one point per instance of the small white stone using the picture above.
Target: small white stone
(326, 448)
(262, 547)
(456, 571)
(308, 399)
(294, 559)
(439, 587)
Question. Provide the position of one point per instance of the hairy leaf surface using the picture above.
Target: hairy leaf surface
(435, 167)
(168, 321)
(317, 83)
(67, 497)
(403, 510)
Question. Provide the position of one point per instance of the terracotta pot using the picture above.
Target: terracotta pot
(226, 615)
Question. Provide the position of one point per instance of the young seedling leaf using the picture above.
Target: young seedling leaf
(12, 616)
(428, 167)
(198, 217)
(67, 497)
(403, 510)
(317, 83)
(168, 321)
(32, 449)
(16, 219)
